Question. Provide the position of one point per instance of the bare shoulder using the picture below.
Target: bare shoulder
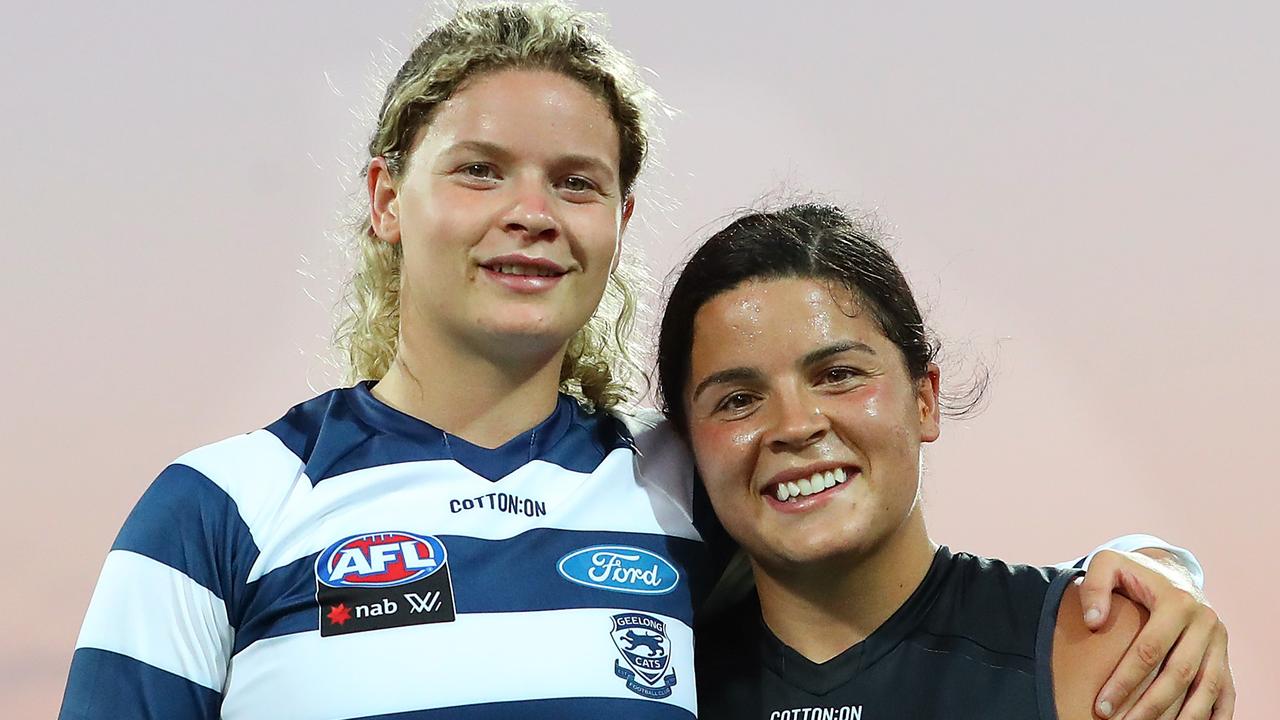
(1084, 659)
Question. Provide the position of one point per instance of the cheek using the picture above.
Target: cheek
(448, 213)
(725, 454)
(866, 406)
(597, 233)
(869, 402)
(874, 423)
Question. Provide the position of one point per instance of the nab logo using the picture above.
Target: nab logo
(379, 560)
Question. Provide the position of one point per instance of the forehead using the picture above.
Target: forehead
(534, 108)
(777, 320)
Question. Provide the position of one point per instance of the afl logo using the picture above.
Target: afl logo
(379, 560)
(620, 568)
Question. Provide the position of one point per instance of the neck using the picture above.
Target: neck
(483, 399)
(822, 609)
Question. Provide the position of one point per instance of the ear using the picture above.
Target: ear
(628, 207)
(384, 201)
(927, 400)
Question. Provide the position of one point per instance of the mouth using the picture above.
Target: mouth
(520, 270)
(804, 491)
(522, 274)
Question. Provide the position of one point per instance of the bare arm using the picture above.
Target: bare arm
(1083, 658)
(1184, 639)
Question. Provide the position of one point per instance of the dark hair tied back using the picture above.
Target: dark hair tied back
(808, 240)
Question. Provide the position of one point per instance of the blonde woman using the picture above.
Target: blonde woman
(469, 531)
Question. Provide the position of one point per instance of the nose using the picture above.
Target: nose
(532, 213)
(798, 422)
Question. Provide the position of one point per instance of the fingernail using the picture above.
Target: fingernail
(1105, 709)
(1092, 615)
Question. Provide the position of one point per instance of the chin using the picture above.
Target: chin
(514, 340)
(521, 323)
(820, 550)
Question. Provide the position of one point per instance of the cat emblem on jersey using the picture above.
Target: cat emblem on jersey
(642, 640)
(375, 581)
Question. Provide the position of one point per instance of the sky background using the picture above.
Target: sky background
(1082, 196)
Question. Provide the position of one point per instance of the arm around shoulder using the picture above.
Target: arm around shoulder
(1083, 659)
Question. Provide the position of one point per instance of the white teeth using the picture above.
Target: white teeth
(524, 270)
(811, 485)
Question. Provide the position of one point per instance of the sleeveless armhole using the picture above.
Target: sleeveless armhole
(1046, 703)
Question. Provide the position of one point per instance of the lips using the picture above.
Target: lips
(524, 266)
(534, 270)
(813, 484)
(802, 488)
(523, 274)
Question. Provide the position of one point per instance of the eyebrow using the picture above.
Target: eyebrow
(498, 151)
(588, 161)
(843, 346)
(741, 374)
(478, 146)
(738, 374)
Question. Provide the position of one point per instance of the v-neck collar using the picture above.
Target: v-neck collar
(491, 463)
(822, 678)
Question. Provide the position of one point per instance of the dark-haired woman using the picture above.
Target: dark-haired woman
(794, 359)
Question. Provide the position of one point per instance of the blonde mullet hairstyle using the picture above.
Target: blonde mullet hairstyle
(600, 367)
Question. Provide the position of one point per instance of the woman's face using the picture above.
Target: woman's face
(804, 421)
(510, 213)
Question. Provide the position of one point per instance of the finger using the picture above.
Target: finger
(1183, 666)
(1213, 694)
(1143, 657)
(1173, 709)
(1226, 707)
(1095, 593)
(1200, 703)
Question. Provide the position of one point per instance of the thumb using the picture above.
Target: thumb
(1095, 596)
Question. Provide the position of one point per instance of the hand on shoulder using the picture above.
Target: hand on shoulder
(1084, 658)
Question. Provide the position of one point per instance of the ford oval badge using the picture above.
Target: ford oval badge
(620, 568)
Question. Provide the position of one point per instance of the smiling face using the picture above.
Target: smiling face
(509, 211)
(804, 421)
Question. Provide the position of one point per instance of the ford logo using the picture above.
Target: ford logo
(620, 568)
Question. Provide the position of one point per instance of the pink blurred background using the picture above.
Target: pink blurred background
(1084, 199)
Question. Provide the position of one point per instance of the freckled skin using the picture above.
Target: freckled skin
(858, 407)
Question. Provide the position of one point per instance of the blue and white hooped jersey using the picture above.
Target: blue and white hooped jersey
(350, 561)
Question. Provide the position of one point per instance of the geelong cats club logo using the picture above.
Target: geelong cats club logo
(642, 640)
(383, 580)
